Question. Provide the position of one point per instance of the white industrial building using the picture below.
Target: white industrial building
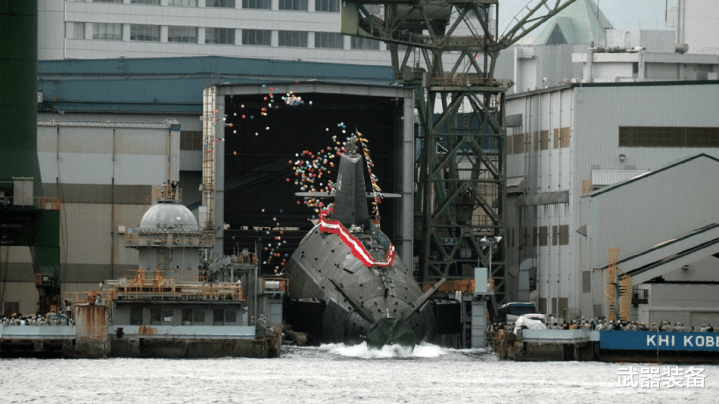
(566, 141)
(307, 30)
(696, 23)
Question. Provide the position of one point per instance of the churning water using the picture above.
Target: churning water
(337, 373)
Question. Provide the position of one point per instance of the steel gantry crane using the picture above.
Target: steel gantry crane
(462, 168)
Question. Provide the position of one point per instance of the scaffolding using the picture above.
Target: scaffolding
(610, 295)
(209, 117)
(625, 297)
(140, 284)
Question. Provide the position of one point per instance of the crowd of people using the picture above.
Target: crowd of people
(36, 320)
(611, 325)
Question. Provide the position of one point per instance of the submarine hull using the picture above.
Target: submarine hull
(352, 299)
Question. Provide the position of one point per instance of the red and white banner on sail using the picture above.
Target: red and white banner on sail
(356, 247)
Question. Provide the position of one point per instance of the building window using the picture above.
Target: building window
(332, 6)
(155, 316)
(296, 5)
(145, 2)
(329, 40)
(136, 316)
(220, 3)
(218, 317)
(182, 34)
(79, 28)
(259, 37)
(102, 30)
(183, 3)
(292, 38)
(167, 316)
(224, 36)
(186, 316)
(191, 140)
(11, 308)
(257, 4)
(148, 33)
(660, 136)
(364, 43)
(198, 317)
(230, 316)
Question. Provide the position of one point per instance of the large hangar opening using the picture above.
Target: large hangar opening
(265, 135)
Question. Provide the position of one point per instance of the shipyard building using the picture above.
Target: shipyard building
(611, 140)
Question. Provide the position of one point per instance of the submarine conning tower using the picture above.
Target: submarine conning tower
(350, 192)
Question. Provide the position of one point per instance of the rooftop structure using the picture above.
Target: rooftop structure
(696, 23)
(582, 23)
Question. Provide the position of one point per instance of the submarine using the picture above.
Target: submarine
(346, 283)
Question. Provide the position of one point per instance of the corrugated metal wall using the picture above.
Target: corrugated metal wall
(602, 110)
(593, 115)
(655, 209)
(541, 153)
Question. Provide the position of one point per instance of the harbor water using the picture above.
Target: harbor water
(343, 374)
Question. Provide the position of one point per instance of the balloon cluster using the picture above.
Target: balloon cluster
(273, 248)
(310, 168)
(290, 99)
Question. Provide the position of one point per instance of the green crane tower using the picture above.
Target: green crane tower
(26, 219)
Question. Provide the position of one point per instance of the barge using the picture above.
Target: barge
(181, 302)
(608, 346)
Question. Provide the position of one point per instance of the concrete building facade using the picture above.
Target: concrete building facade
(103, 173)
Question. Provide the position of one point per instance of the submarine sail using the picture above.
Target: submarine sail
(346, 282)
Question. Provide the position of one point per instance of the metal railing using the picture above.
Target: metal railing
(152, 284)
(166, 193)
(100, 298)
(44, 202)
(169, 240)
(466, 80)
(457, 285)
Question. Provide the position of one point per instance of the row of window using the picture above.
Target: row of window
(224, 36)
(332, 6)
(188, 316)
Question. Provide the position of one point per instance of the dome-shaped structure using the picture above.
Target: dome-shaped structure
(169, 216)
